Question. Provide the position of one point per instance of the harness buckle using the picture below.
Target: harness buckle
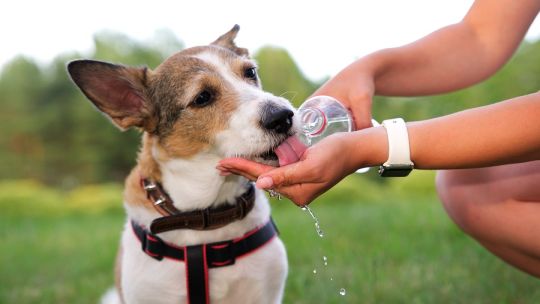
(220, 254)
(152, 246)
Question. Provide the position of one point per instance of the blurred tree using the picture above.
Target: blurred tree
(281, 76)
(21, 84)
(52, 133)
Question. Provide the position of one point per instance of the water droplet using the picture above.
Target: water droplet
(342, 291)
(318, 229)
(317, 226)
(325, 260)
(314, 271)
(273, 193)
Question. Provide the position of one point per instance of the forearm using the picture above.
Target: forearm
(453, 57)
(506, 132)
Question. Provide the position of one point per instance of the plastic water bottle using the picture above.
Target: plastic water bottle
(321, 116)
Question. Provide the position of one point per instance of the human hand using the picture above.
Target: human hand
(319, 168)
(354, 88)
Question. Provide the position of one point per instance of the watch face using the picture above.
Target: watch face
(395, 171)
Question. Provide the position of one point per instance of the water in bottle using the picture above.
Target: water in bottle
(321, 116)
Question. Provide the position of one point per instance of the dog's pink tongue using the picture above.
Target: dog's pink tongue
(290, 151)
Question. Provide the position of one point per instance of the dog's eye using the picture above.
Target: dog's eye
(250, 73)
(203, 99)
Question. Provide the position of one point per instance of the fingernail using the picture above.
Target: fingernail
(264, 183)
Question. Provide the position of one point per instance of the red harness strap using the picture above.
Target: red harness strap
(199, 258)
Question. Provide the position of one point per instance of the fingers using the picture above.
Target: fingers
(300, 194)
(276, 179)
(267, 177)
(249, 169)
(361, 117)
(296, 173)
(227, 172)
(360, 106)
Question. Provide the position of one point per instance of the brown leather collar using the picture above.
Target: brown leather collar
(202, 219)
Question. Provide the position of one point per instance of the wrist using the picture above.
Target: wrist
(376, 64)
(368, 148)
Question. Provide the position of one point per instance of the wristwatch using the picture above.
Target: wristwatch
(399, 157)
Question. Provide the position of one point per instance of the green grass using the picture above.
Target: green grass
(59, 247)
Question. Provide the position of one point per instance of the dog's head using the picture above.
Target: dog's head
(202, 99)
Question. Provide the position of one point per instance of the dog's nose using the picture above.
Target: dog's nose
(277, 119)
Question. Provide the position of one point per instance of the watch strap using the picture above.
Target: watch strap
(399, 156)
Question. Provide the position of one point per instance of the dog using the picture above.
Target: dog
(199, 106)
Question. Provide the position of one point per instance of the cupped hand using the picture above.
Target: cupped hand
(320, 167)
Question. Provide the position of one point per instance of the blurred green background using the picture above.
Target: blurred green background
(387, 241)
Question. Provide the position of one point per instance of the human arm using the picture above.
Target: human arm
(451, 58)
(501, 133)
(448, 59)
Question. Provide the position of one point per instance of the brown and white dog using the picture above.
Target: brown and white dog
(199, 106)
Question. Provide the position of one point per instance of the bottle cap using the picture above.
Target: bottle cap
(313, 121)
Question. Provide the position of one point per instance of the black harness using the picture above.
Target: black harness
(199, 258)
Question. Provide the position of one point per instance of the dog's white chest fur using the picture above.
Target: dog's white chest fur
(255, 278)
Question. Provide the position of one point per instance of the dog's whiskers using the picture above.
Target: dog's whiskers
(291, 92)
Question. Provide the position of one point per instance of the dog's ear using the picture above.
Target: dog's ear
(227, 41)
(117, 91)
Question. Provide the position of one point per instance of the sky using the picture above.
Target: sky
(322, 36)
